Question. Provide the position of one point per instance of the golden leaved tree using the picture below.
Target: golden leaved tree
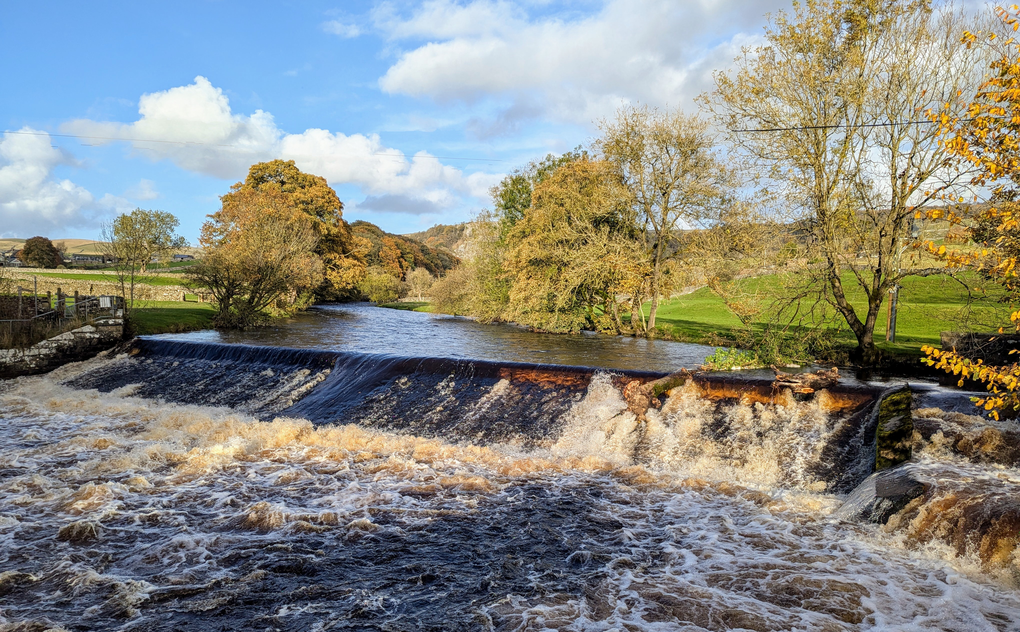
(987, 135)
(573, 250)
(665, 160)
(826, 112)
(342, 253)
(259, 255)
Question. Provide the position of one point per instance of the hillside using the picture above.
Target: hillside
(455, 237)
(72, 246)
(398, 254)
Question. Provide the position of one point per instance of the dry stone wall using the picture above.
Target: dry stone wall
(94, 288)
(72, 346)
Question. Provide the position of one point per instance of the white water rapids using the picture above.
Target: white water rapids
(124, 513)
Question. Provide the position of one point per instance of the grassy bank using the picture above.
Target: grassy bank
(160, 317)
(408, 306)
(927, 306)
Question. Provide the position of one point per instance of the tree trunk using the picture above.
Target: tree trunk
(656, 274)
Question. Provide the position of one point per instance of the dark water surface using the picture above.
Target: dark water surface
(369, 329)
(376, 478)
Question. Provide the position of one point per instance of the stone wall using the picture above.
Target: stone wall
(94, 288)
(72, 346)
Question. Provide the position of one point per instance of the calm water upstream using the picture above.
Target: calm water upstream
(191, 485)
(369, 329)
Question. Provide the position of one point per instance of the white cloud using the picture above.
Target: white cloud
(32, 201)
(575, 69)
(197, 130)
(144, 190)
(336, 27)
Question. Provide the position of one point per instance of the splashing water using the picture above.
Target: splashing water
(133, 513)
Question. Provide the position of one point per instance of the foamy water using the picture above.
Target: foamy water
(124, 513)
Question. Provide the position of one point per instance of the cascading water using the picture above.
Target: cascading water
(209, 487)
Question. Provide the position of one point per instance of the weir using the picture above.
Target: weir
(209, 487)
(527, 405)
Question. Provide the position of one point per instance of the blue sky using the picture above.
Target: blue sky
(410, 110)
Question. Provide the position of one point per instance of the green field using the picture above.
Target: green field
(162, 317)
(927, 306)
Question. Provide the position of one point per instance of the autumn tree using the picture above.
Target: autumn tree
(986, 136)
(138, 237)
(380, 286)
(419, 281)
(829, 111)
(665, 159)
(258, 256)
(39, 252)
(341, 252)
(573, 250)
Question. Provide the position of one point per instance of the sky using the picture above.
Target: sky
(410, 110)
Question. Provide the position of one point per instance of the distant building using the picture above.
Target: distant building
(80, 258)
(184, 258)
(10, 258)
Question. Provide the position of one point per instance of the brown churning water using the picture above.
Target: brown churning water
(211, 487)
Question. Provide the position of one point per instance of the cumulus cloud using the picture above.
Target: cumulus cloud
(576, 69)
(31, 199)
(194, 127)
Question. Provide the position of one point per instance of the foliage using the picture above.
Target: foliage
(457, 292)
(986, 135)
(259, 256)
(342, 253)
(398, 254)
(379, 286)
(731, 359)
(419, 281)
(572, 250)
(39, 252)
(142, 236)
(826, 111)
(665, 160)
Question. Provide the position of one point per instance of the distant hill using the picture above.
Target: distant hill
(400, 254)
(71, 246)
(455, 237)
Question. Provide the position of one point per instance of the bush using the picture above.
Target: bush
(381, 287)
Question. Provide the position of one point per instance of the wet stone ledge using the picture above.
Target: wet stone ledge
(71, 346)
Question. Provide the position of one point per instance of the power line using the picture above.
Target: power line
(809, 127)
(400, 156)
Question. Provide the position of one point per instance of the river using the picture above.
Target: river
(398, 471)
(369, 329)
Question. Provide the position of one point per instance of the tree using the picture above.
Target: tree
(259, 254)
(665, 160)
(827, 110)
(419, 281)
(572, 250)
(40, 253)
(138, 237)
(986, 135)
(380, 286)
(341, 252)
